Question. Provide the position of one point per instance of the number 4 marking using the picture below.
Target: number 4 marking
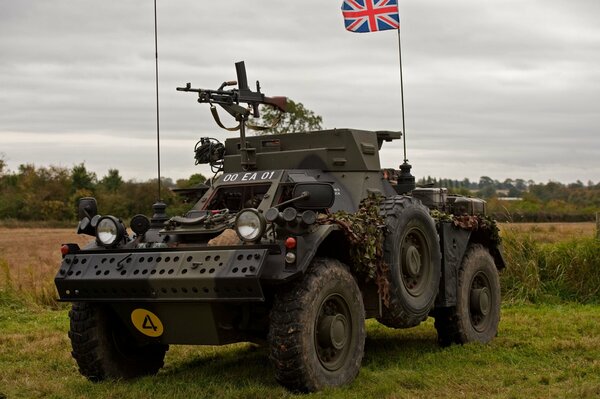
(148, 324)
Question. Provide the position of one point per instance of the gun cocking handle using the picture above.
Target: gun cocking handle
(228, 83)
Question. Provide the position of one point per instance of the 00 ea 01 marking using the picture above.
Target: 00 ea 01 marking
(248, 176)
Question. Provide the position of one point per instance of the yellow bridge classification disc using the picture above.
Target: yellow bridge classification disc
(147, 322)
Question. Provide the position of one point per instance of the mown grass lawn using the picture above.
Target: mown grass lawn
(540, 352)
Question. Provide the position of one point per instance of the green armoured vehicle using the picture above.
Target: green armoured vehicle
(264, 256)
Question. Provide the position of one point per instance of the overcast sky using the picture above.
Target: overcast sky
(506, 89)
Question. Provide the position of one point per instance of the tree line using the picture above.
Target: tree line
(51, 193)
(519, 200)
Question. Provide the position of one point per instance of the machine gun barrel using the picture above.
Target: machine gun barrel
(211, 96)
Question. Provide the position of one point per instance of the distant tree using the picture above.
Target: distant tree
(81, 179)
(577, 184)
(2, 164)
(485, 181)
(297, 119)
(192, 181)
(520, 185)
(112, 181)
(507, 184)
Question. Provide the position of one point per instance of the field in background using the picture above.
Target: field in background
(551, 232)
(548, 345)
(535, 253)
(551, 263)
(29, 259)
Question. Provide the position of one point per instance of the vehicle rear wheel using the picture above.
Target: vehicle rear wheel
(476, 316)
(411, 250)
(317, 330)
(104, 348)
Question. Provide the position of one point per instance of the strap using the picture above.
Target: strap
(215, 115)
(217, 119)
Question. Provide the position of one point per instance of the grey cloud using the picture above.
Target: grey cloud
(504, 89)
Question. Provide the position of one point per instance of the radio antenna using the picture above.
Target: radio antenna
(159, 207)
(157, 108)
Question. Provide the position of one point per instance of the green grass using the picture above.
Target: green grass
(548, 344)
(540, 351)
(550, 272)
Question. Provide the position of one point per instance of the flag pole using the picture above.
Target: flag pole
(405, 181)
(401, 85)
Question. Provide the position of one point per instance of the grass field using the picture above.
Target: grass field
(551, 232)
(542, 350)
(534, 355)
(29, 259)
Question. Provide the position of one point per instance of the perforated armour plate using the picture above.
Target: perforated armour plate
(195, 275)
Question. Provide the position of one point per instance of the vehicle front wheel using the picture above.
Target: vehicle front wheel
(476, 316)
(317, 329)
(104, 349)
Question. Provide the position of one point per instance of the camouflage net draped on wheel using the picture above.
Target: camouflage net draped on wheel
(364, 230)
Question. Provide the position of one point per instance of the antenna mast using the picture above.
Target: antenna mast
(157, 108)
(159, 207)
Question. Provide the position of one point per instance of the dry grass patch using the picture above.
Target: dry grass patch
(551, 232)
(29, 259)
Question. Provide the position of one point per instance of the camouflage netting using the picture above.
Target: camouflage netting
(482, 224)
(364, 230)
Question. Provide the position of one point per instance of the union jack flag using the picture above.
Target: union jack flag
(370, 15)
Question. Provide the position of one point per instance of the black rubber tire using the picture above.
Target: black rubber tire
(476, 316)
(412, 252)
(104, 349)
(317, 329)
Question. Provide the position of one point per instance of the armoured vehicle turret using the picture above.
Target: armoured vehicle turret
(270, 253)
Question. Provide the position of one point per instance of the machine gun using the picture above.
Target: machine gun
(230, 101)
(243, 94)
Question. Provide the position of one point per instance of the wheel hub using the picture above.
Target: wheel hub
(480, 301)
(413, 261)
(332, 331)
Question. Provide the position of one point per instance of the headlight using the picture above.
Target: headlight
(109, 231)
(250, 225)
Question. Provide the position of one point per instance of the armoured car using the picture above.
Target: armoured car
(268, 254)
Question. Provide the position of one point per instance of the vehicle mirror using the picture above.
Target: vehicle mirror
(88, 207)
(316, 195)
